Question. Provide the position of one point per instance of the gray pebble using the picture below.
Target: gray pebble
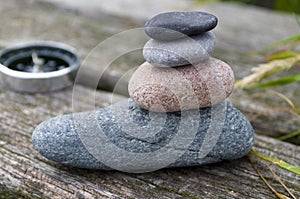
(72, 139)
(173, 25)
(188, 50)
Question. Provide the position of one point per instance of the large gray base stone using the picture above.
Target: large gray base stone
(72, 139)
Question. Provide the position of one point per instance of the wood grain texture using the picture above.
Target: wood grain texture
(269, 114)
(25, 173)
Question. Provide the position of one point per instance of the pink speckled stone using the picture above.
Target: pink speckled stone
(181, 88)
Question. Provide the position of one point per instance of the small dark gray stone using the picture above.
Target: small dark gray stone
(66, 139)
(173, 25)
(184, 51)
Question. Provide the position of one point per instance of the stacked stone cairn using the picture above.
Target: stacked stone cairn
(180, 73)
(177, 114)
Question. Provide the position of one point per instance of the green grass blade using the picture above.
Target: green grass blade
(281, 55)
(288, 40)
(272, 72)
(280, 163)
(297, 17)
(278, 82)
(290, 135)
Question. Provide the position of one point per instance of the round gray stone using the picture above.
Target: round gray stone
(173, 25)
(58, 138)
(188, 50)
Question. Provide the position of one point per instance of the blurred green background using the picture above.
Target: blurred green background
(279, 5)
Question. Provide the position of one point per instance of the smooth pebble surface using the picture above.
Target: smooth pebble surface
(173, 25)
(181, 88)
(57, 138)
(187, 50)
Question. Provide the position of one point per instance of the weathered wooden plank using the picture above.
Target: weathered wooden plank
(23, 172)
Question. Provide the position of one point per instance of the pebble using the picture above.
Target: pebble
(173, 25)
(181, 88)
(184, 51)
(72, 139)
